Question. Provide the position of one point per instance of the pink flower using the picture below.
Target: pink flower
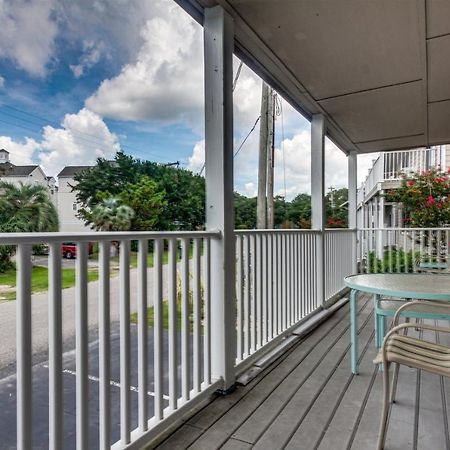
(430, 200)
(410, 183)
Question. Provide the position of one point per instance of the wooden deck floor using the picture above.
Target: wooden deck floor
(308, 399)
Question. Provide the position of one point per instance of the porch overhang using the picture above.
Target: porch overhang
(377, 70)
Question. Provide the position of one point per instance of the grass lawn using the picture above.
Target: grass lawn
(133, 259)
(165, 316)
(39, 280)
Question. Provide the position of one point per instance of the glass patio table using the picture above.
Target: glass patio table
(411, 286)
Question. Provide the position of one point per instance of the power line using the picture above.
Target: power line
(246, 137)
(91, 141)
(242, 143)
(236, 77)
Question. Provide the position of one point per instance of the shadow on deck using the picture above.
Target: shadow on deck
(308, 399)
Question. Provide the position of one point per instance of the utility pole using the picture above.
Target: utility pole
(265, 163)
(261, 208)
(271, 163)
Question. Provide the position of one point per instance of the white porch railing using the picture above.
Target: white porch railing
(276, 284)
(277, 281)
(402, 250)
(339, 259)
(177, 380)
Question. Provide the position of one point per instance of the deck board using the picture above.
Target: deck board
(308, 399)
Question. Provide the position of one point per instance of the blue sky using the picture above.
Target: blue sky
(82, 79)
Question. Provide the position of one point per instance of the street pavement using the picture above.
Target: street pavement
(40, 395)
(40, 327)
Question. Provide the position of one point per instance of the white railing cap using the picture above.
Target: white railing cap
(98, 236)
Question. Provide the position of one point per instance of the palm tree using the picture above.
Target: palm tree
(26, 208)
(111, 215)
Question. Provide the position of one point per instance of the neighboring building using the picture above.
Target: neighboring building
(29, 174)
(67, 201)
(62, 196)
(386, 173)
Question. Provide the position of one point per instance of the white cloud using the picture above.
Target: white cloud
(165, 83)
(251, 189)
(92, 53)
(2, 82)
(20, 153)
(27, 33)
(197, 159)
(81, 139)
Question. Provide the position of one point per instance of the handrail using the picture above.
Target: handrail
(99, 236)
(406, 229)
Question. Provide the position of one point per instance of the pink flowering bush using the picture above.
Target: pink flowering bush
(425, 197)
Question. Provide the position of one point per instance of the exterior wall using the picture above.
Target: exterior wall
(68, 207)
(35, 177)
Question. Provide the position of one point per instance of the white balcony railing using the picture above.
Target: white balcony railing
(403, 250)
(392, 166)
(163, 370)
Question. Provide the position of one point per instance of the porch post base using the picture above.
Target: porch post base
(227, 391)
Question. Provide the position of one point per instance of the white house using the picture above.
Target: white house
(387, 173)
(67, 201)
(27, 174)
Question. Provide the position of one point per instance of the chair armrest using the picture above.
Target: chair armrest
(407, 305)
(402, 326)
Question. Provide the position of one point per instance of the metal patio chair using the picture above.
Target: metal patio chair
(399, 348)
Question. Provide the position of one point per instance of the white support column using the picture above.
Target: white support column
(370, 224)
(380, 220)
(352, 203)
(318, 196)
(219, 44)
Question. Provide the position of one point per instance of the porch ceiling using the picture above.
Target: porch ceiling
(378, 70)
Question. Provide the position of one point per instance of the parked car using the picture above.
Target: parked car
(69, 249)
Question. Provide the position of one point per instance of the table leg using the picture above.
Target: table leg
(377, 338)
(354, 330)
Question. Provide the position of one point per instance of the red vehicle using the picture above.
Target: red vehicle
(69, 249)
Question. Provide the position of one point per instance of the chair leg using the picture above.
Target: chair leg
(397, 369)
(394, 382)
(385, 412)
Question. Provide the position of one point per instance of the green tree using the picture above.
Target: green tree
(145, 197)
(336, 201)
(245, 212)
(300, 210)
(111, 215)
(184, 191)
(24, 208)
(425, 197)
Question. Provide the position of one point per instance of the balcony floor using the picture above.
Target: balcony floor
(308, 399)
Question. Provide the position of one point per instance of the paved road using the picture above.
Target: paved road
(40, 364)
(42, 260)
(40, 397)
(40, 318)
